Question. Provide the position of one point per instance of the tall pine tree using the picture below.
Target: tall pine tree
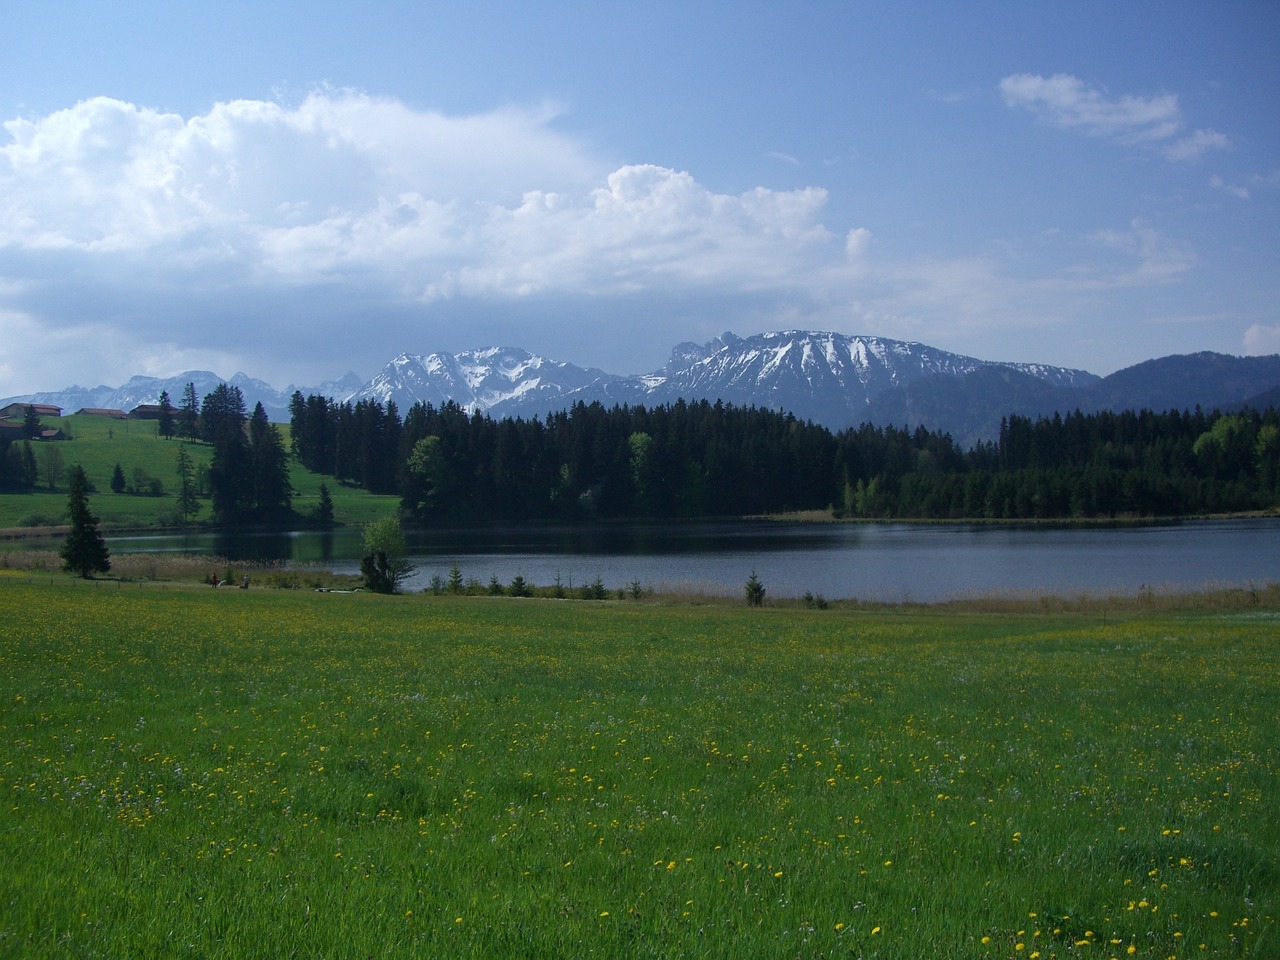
(165, 427)
(84, 552)
(272, 493)
(188, 505)
(188, 413)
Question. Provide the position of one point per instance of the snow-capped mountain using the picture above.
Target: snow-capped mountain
(826, 377)
(498, 380)
(830, 378)
(836, 380)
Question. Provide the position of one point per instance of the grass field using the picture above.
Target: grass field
(188, 772)
(99, 443)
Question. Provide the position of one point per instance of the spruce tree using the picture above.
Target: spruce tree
(31, 425)
(188, 505)
(188, 413)
(271, 491)
(84, 552)
(165, 427)
(230, 476)
(324, 511)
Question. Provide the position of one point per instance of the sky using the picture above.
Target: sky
(295, 190)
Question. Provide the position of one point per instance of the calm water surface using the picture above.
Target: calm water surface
(919, 562)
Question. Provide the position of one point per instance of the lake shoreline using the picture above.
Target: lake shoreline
(159, 571)
(817, 517)
(885, 562)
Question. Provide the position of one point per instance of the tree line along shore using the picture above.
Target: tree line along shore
(334, 461)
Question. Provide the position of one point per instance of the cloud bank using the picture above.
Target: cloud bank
(295, 242)
(348, 184)
(364, 198)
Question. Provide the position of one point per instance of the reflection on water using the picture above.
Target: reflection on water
(296, 546)
(922, 562)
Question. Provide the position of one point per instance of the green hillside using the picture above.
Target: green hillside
(98, 444)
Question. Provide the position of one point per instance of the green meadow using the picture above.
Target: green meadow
(226, 773)
(99, 443)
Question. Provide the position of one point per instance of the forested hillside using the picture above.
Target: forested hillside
(704, 459)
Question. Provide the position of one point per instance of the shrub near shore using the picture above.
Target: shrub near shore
(222, 773)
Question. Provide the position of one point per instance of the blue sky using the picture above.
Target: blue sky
(295, 190)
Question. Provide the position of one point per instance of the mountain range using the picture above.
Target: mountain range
(830, 378)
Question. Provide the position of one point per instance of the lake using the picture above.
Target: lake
(871, 561)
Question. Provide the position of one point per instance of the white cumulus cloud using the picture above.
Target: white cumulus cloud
(1261, 340)
(255, 215)
(347, 184)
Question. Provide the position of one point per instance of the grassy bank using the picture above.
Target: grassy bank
(226, 773)
(99, 443)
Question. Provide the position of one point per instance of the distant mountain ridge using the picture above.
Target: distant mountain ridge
(826, 377)
(495, 380)
(970, 408)
(142, 389)
(834, 379)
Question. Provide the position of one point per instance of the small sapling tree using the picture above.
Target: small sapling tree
(754, 591)
(383, 563)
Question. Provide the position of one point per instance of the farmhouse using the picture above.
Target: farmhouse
(13, 421)
(148, 411)
(103, 412)
(16, 411)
